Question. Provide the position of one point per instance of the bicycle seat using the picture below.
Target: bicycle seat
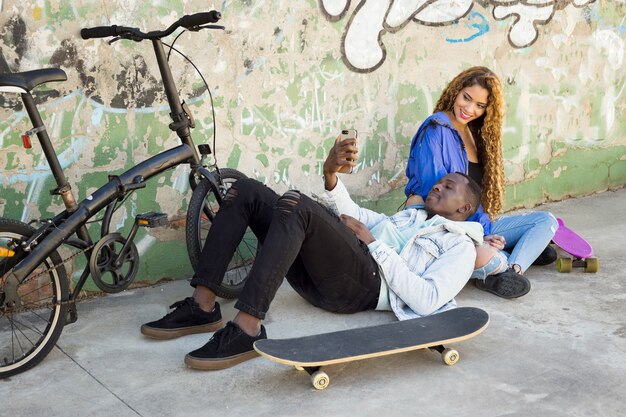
(22, 82)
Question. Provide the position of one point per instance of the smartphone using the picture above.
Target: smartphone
(347, 134)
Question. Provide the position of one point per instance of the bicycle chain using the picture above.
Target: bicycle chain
(63, 262)
(46, 271)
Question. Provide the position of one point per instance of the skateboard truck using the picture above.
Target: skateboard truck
(319, 378)
(568, 264)
(448, 355)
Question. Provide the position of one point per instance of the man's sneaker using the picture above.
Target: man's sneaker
(507, 284)
(228, 347)
(547, 256)
(187, 318)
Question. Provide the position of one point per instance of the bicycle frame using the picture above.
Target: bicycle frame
(72, 220)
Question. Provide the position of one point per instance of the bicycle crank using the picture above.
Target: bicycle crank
(111, 270)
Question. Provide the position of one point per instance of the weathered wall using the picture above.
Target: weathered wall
(287, 75)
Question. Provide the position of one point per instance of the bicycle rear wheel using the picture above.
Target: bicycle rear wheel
(202, 209)
(29, 332)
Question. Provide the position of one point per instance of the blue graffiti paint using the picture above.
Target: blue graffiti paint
(475, 21)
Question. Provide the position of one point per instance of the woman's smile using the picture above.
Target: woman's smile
(464, 115)
(470, 104)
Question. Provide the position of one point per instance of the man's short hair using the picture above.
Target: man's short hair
(473, 194)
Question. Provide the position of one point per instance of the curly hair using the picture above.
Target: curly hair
(486, 130)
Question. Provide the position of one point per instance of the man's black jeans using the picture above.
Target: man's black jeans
(301, 240)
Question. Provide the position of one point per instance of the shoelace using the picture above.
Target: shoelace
(189, 301)
(224, 336)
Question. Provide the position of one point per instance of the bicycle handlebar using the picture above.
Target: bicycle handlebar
(199, 19)
(98, 32)
(188, 22)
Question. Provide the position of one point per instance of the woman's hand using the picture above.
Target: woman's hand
(495, 241)
(414, 199)
(341, 158)
(360, 230)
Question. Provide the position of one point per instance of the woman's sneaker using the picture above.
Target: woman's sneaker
(187, 318)
(507, 284)
(228, 347)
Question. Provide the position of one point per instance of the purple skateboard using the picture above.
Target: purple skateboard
(581, 251)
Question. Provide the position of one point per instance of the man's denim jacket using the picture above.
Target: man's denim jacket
(431, 269)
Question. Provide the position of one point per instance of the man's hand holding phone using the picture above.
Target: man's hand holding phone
(342, 157)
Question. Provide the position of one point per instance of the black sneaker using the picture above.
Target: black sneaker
(507, 284)
(187, 318)
(228, 347)
(547, 256)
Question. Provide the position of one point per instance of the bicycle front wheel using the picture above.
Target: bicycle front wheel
(203, 207)
(30, 331)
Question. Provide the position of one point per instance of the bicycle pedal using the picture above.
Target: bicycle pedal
(152, 219)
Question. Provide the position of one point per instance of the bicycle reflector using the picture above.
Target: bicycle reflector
(26, 136)
(6, 253)
(26, 141)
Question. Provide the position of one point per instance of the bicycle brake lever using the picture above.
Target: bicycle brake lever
(127, 36)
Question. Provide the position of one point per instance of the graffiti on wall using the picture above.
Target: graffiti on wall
(363, 47)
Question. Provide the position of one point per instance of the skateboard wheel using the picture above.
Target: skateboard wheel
(320, 380)
(592, 265)
(564, 264)
(299, 368)
(450, 356)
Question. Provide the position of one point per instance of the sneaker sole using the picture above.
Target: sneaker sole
(508, 288)
(214, 364)
(165, 334)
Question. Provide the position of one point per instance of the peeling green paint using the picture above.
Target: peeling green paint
(305, 148)
(59, 13)
(293, 91)
(584, 166)
(11, 203)
(283, 164)
(167, 260)
(235, 155)
(320, 153)
(264, 160)
(12, 161)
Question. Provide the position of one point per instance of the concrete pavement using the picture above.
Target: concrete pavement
(558, 351)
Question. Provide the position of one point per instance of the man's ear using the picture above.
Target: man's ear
(465, 208)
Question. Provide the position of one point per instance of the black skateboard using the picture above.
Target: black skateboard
(310, 353)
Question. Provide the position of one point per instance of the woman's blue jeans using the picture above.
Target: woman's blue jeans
(526, 236)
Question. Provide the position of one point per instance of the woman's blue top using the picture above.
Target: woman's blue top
(437, 150)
